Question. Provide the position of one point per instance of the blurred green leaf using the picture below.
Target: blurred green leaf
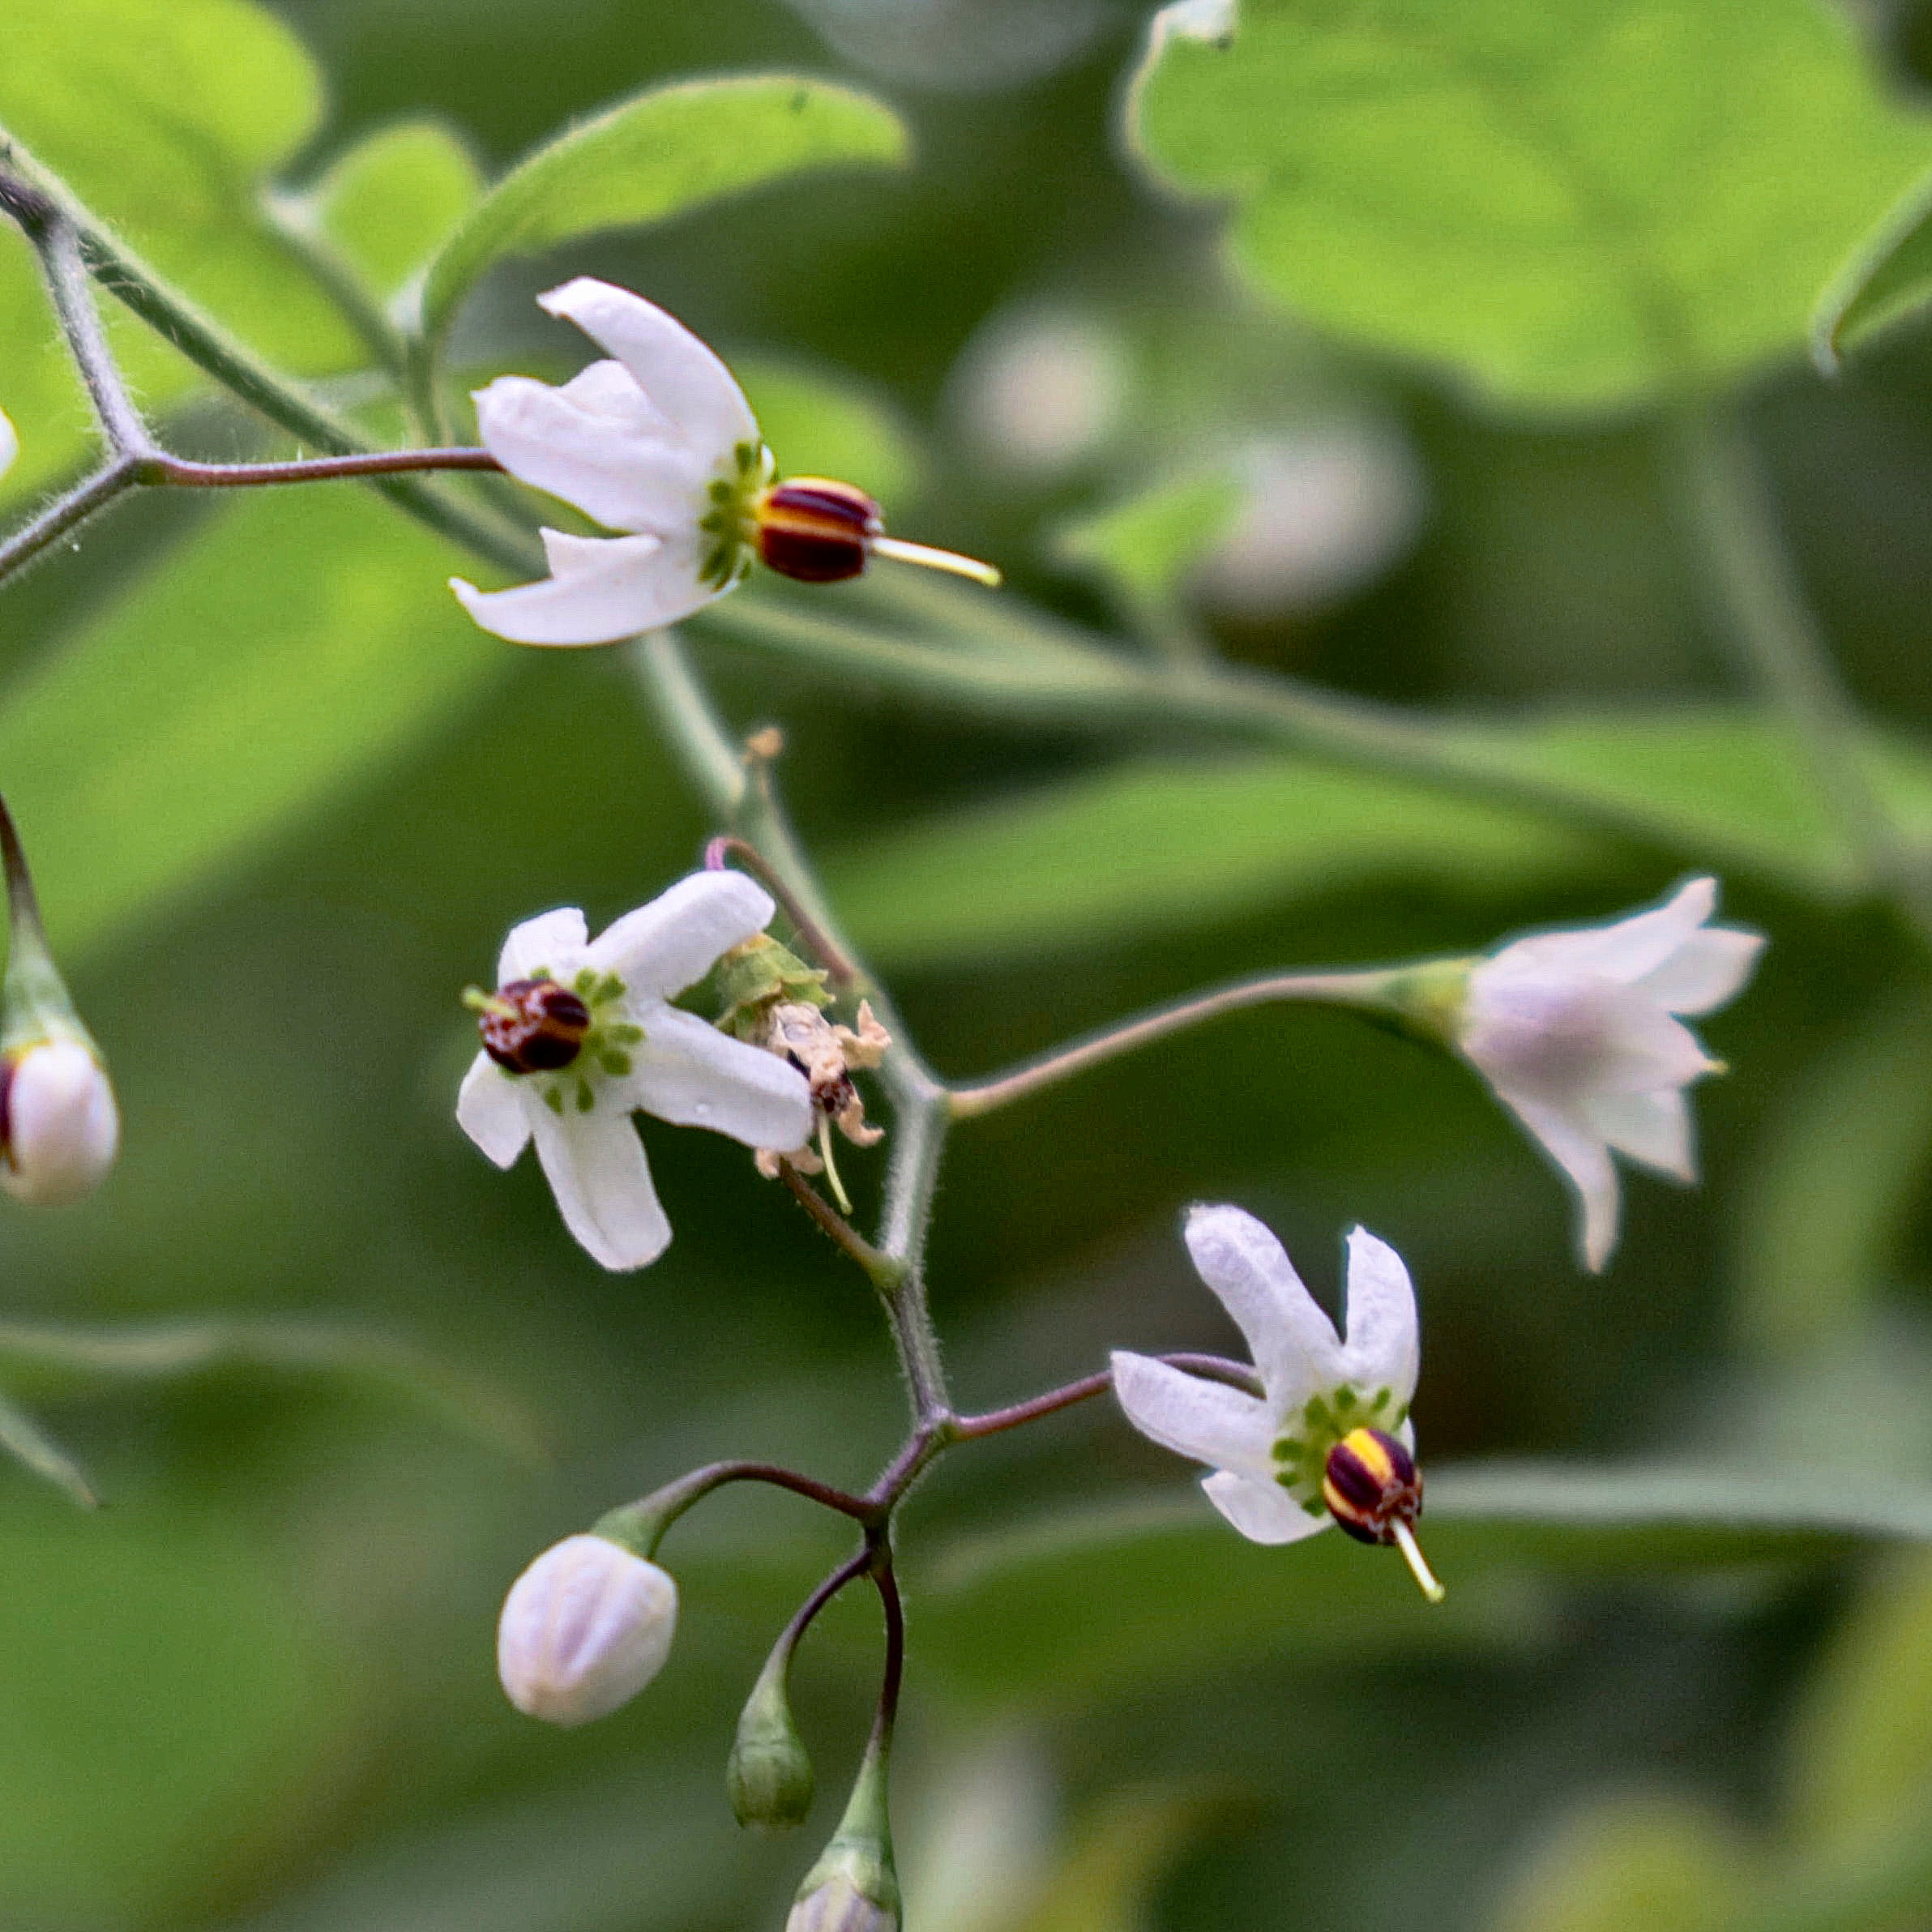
(819, 424)
(1208, 840)
(659, 154)
(1086, 1605)
(1836, 1175)
(1862, 1740)
(1887, 278)
(1143, 548)
(1553, 202)
(302, 643)
(165, 120)
(165, 1716)
(67, 1357)
(391, 200)
(29, 1443)
(1657, 1859)
(1120, 1851)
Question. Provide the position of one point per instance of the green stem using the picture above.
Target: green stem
(1777, 643)
(1365, 989)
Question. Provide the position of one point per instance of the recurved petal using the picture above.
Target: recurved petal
(1653, 1128)
(551, 942)
(491, 1111)
(596, 1166)
(601, 590)
(1384, 1343)
(1263, 1511)
(1293, 1343)
(661, 948)
(1581, 1152)
(678, 372)
(1709, 969)
(1626, 949)
(598, 445)
(1206, 1421)
(689, 1072)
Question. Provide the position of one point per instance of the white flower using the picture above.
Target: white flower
(1275, 1455)
(652, 444)
(1575, 1031)
(590, 1023)
(10, 444)
(59, 1127)
(584, 1630)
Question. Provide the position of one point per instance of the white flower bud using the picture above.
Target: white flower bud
(838, 1905)
(584, 1630)
(59, 1127)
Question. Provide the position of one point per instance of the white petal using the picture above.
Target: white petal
(1263, 1512)
(1710, 967)
(596, 1170)
(677, 371)
(9, 445)
(612, 458)
(601, 589)
(1654, 1128)
(1207, 1421)
(1384, 1345)
(491, 1110)
(1293, 1343)
(1644, 1047)
(551, 943)
(1626, 949)
(63, 1129)
(674, 941)
(690, 1074)
(1582, 1155)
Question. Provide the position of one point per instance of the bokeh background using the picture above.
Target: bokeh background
(255, 1691)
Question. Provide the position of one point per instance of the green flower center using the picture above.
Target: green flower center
(730, 525)
(1302, 1453)
(606, 1047)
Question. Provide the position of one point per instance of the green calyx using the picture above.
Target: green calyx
(753, 978)
(769, 1776)
(730, 524)
(1425, 1001)
(1301, 1452)
(34, 1004)
(856, 1866)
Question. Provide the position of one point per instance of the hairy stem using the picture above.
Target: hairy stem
(996, 1422)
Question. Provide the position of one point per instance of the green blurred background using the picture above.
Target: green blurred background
(256, 1691)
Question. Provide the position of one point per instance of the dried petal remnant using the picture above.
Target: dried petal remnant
(534, 1026)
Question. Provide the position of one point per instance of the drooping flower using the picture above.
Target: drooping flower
(584, 1630)
(1579, 1034)
(581, 1033)
(1328, 1439)
(660, 445)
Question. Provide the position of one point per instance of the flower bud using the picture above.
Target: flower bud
(854, 1888)
(59, 1128)
(768, 1776)
(584, 1630)
(838, 1905)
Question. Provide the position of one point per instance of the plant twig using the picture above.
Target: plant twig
(995, 1421)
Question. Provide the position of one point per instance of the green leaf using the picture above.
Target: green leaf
(1836, 1176)
(303, 643)
(1886, 279)
(1862, 1740)
(70, 1359)
(1087, 1606)
(820, 425)
(1660, 1859)
(1209, 841)
(24, 1439)
(659, 154)
(1143, 548)
(164, 120)
(1550, 202)
(391, 200)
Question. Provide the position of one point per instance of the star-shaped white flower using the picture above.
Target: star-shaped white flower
(652, 445)
(591, 1022)
(1277, 1457)
(1578, 1032)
